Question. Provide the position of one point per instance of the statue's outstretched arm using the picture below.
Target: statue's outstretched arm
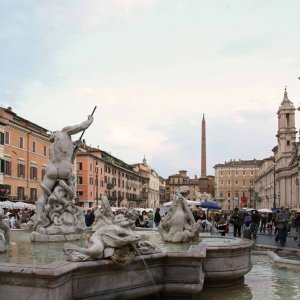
(80, 127)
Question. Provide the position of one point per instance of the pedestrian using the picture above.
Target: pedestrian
(222, 225)
(89, 218)
(282, 226)
(297, 222)
(237, 220)
(255, 219)
(157, 217)
(150, 214)
(270, 223)
(145, 219)
(263, 223)
(247, 219)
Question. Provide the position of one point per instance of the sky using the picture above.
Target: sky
(153, 68)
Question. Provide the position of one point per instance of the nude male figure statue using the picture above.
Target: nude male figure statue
(61, 161)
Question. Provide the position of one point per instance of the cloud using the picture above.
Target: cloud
(88, 15)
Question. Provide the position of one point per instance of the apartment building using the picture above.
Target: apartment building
(24, 154)
(162, 190)
(98, 172)
(264, 183)
(234, 183)
(152, 185)
(182, 179)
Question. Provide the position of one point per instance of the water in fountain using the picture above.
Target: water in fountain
(157, 296)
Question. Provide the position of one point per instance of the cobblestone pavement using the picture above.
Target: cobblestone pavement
(292, 240)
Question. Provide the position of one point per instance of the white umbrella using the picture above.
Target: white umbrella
(19, 205)
(189, 202)
(265, 210)
(7, 204)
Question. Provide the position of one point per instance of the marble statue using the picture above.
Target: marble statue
(179, 224)
(4, 233)
(111, 241)
(103, 216)
(56, 214)
(203, 196)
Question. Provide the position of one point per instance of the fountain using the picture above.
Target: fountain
(112, 263)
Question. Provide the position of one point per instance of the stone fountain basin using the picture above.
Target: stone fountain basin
(215, 261)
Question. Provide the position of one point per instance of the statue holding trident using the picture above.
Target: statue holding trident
(55, 207)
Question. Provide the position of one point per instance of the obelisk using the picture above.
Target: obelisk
(203, 149)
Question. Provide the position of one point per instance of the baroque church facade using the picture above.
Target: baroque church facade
(278, 185)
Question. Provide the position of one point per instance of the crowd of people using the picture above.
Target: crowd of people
(14, 218)
(145, 219)
(252, 222)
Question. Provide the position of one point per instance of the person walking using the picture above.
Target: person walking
(237, 220)
(157, 217)
(282, 225)
(263, 223)
(150, 215)
(222, 225)
(297, 222)
(255, 219)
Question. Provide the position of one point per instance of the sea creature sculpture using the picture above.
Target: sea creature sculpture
(179, 224)
(111, 241)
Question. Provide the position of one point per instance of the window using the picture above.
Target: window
(221, 173)
(288, 143)
(101, 183)
(45, 150)
(287, 120)
(21, 170)
(2, 165)
(105, 168)
(21, 142)
(7, 167)
(244, 173)
(229, 173)
(79, 179)
(91, 180)
(79, 193)
(236, 182)
(252, 173)
(228, 194)
(33, 147)
(6, 139)
(244, 183)
(33, 194)
(236, 173)
(33, 173)
(222, 182)
(2, 138)
(228, 183)
(21, 195)
(91, 167)
(221, 195)
(79, 165)
(43, 172)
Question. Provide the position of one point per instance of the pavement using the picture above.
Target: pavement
(268, 241)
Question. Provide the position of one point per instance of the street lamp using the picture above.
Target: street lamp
(274, 183)
(97, 167)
